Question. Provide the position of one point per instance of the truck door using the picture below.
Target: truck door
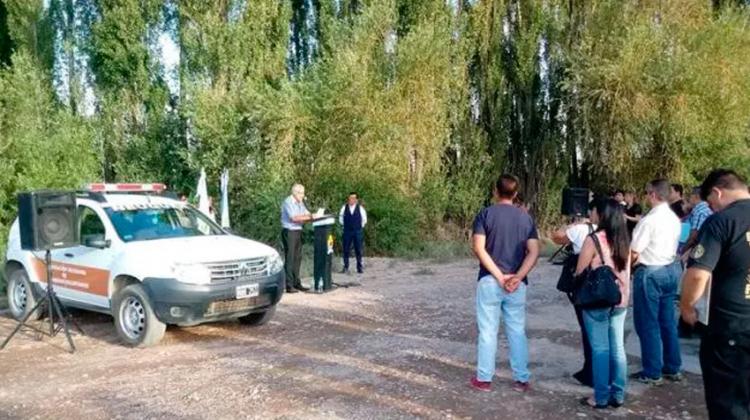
(82, 271)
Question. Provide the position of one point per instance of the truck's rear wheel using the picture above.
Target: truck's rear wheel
(259, 318)
(21, 297)
(135, 321)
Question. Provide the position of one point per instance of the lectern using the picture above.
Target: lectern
(323, 253)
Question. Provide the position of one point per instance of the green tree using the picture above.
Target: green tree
(42, 146)
(6, 44)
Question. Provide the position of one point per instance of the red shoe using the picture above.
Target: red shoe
(521, 386)
(480, 385)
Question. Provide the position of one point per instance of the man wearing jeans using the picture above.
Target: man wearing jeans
(506, 243)
(655, 283)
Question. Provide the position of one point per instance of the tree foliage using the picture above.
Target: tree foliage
(417, 105)
(41, 145)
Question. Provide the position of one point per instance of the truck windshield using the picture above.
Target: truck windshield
(143, 224)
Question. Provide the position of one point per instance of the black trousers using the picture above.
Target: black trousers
(291, 240)
(587, 369)
(353, 237)
(725, 362)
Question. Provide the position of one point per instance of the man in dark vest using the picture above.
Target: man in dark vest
(353, 218)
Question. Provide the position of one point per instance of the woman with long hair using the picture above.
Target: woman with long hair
(605, 327)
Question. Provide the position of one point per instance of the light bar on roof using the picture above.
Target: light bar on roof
(101, 187)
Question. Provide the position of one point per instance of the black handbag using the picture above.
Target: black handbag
(598, 287)
(567, 282)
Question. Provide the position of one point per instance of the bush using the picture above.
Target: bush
(393, 218)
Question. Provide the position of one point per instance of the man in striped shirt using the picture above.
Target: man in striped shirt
(698, 215)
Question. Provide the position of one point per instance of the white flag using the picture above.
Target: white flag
(202, 194)
(225, 198)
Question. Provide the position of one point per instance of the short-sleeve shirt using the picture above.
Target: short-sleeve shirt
(577, 235)
(289, 209)
(657, 236)
(507, 229)
(632, 211)
(698, 215)
(724, 249)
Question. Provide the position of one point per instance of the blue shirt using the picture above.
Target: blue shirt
(290, 208)
(507, 229)
(699, 215)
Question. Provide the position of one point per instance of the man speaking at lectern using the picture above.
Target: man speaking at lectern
(353, 218)
(294, 214)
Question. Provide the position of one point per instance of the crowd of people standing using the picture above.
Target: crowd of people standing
(646, 254)
(675, 251)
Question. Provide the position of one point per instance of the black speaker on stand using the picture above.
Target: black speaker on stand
(48, 220)
(575, 202)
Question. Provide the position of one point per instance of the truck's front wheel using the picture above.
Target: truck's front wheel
(21, 297)
(259, 318)
(135, 321)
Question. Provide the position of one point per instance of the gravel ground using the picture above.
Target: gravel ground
(400, 346)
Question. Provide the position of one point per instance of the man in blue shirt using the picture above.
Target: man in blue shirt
(294, 214)
(698, 215)
(506, 242)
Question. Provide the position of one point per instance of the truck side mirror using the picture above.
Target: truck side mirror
(97, 242)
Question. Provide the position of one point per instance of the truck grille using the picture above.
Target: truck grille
(229, 306)
(233, 271)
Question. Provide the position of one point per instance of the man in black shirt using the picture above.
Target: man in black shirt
(633, 211)
(722, 256)
(675, 200)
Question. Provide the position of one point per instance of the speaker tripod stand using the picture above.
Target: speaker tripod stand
(50, 303)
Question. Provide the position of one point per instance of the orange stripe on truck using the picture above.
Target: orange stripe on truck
(75, 277)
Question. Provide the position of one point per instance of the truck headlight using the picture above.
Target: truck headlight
(192, 273)
(275, 264)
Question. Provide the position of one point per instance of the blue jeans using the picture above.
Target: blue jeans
(654, 316)
(606, 331)
(492, 301)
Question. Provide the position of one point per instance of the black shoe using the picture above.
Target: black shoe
(616, 404)
(302, 288)
(291, 290)
(360, 271)
(584, 379)
(344, 270)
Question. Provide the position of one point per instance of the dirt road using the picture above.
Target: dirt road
(400, 346)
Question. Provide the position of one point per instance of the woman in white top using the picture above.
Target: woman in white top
(605, 327)
(574, 236)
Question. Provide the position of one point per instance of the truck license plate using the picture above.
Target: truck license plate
(247, 291)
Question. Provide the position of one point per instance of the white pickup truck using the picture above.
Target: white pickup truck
(149, 261)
